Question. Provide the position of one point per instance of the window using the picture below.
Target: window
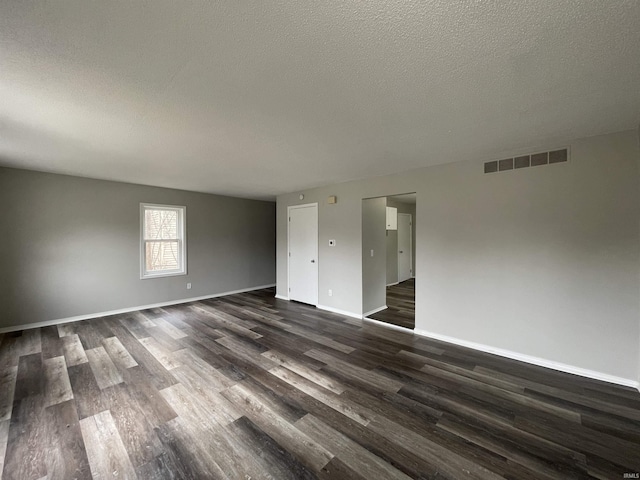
(163, 240)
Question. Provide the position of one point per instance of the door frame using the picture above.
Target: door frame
(410, 248)
(293, 207)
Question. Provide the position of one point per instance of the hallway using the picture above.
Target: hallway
(401, 305)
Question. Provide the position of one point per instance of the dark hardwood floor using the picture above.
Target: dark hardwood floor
(401, 305)
(250, 387)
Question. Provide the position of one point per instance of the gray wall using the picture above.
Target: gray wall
(71, 246)
(542, 261)
(374, 269)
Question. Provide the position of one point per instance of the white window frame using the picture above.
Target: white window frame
(182, 241)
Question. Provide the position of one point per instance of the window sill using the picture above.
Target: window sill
(162, 275)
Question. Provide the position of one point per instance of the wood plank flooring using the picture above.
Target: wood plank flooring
(401, 305)
(250, 387)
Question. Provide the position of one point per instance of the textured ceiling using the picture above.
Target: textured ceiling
(255, 99)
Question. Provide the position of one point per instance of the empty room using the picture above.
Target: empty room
(320, 240)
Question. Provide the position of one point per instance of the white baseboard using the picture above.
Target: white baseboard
(282, 297)
(89, 316)
(392, 284)
(561, 367)
(341, 312)
(375, 310)
(388, 325)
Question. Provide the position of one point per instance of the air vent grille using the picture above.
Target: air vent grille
(524, 161)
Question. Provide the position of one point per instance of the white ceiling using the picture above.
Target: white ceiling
(255, 99)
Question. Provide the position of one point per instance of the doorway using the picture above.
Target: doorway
(303, 253)
(388, 287)
(405, 268)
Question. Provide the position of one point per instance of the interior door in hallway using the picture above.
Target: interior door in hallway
(303, 253)
(404, 247)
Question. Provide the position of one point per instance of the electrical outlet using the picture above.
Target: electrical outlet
(330, 293)
(188, 286)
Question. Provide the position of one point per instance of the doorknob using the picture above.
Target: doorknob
(313, 261)
(400, 251)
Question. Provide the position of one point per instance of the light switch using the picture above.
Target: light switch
(372, 252)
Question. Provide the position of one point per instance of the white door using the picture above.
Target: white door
(303, 253)
(404, 247)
